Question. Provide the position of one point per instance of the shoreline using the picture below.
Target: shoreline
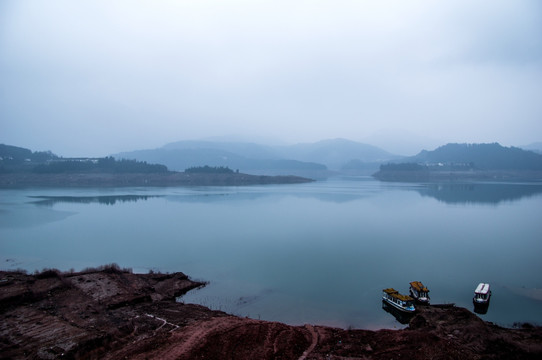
(111, 313)
(529, 176)
(21, 180)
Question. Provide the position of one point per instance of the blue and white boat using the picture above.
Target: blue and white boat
(401, 302)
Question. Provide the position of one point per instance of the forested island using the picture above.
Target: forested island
(22, 167)
(487, 162)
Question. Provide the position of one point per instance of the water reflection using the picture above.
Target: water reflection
(486, 193)
(103, 200)
(252, 196)
(325, 191)
(402, 317)
(457, 193)
(480, 308)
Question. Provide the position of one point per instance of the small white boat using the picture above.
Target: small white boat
(419, 292)
(401, 302)
(482, 294)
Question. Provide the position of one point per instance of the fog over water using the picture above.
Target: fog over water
(316, 253)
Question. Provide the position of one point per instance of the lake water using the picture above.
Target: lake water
(315, 253)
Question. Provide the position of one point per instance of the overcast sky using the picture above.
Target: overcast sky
(98, 77)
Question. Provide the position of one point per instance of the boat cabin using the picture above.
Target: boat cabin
(482, 293)
(397, 300)
(419, 291)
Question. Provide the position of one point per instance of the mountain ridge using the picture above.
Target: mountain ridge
(323, 157)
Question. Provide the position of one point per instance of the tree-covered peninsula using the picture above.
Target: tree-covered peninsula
(22, 167)
(488, 162)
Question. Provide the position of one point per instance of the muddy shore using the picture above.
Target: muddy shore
(109, 313)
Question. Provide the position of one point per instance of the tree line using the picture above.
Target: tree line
(107, 165)
(209, 170)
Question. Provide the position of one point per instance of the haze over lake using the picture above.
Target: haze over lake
(315, 253)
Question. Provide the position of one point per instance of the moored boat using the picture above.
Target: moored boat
(482, 294)
(401, 316)
(419, 292)
(401, 302)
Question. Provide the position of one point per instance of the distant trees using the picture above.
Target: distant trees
(403, 167)
(15, 159)
(63, 166)
(42, 156)
(130, 166)
(105, 165)
(13, 155)
(482, 156)
(425, 167)
(18, 159)
(209, 170)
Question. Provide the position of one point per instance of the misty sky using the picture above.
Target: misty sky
(98, 77)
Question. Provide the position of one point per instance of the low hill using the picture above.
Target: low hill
(14, 158)
(466, 161)
(22, 167)
(481, 156)
(336, 153)
(184, 158)
(244, 149)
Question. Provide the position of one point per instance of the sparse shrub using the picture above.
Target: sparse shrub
(525, 325)
(209, 170)
(20, 271)
(88, 270)
(112, 268)
(47, 273)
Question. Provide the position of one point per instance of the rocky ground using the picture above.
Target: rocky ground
(113, 314)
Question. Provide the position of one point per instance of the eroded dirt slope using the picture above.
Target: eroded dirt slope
(112, 314)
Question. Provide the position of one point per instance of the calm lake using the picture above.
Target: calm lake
(317, 253)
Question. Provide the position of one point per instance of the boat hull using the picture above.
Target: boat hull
(401, 316)
(480, 302)
(409, 310)
(481, 308)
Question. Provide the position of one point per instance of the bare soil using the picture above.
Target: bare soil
(112, 314)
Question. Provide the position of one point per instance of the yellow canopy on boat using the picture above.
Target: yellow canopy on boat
(394, 293)
(418, 286)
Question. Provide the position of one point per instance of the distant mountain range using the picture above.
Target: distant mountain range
(312, 159)
(534, 147)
